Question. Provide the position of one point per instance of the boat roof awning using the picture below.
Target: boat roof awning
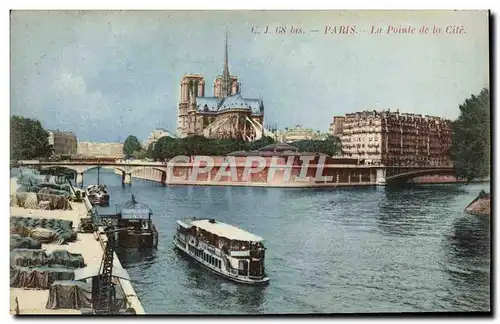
(226, 230)
(92, 271)
(132, 209)
(183, 224)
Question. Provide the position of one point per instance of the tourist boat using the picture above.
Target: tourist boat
(98, 195)
(223, 249)
(140, 231)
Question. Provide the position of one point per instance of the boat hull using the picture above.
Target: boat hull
(254, 282)
(129, 239)
(99, 202)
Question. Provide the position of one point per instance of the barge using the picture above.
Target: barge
(98, 195)
(223, 249)
(140, 231)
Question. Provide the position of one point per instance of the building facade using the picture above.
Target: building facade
(95, 149)
(63, 142)
(225, 115)
(299, 133)
(336, 126)
(155, 135)
(393, 138)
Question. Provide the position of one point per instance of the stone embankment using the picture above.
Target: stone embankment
(481, 206)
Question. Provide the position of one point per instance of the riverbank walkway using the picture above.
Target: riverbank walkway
(89, 245)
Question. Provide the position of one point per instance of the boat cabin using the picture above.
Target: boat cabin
(137, 218)
(243, 253)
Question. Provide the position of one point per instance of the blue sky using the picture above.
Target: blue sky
(105, 75)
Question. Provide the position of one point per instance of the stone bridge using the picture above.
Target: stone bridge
(125, 168)
(383, 175)
(397, 174)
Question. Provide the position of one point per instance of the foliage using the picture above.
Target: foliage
(28, 139)
(331, 146)
(131, 145)
(167, 147)
(470, 149)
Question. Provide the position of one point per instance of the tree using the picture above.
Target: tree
(470, 148)
(28, 139)
(264, 141)
(331, 146)
(131, 145)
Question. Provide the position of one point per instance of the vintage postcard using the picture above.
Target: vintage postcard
(249, 162)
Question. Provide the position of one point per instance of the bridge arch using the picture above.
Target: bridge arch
(76, 168)
(162, 170)
(406, 176)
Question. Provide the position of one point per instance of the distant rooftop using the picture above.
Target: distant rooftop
(279, 147)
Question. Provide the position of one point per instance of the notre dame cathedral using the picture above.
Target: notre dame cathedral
(226, 115)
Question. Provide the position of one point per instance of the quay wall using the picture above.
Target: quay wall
(126, 286)
(329, 177)
(277, 174)
(436, 179)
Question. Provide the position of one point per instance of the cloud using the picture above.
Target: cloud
(106, 75)
(76, 100)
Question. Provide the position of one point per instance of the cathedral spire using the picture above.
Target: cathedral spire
(226, 77)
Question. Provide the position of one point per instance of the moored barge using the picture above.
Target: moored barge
(140, 231)
(223, 249)
(98, 195)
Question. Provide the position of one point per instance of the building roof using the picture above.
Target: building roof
(214, 105)
(132, 209)
(94, 270)
(226, 230)
(233, 102)
(279, 147)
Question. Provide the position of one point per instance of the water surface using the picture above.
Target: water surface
(345, 250)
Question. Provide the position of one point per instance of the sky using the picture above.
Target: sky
(108, 74)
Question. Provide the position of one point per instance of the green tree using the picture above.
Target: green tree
(264, 141)
(470, 148)
(131, 145)
(331, 146)
(28, 139)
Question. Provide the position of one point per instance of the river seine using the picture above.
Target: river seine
(347, 250)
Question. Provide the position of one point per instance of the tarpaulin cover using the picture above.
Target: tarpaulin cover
(44, 230)
(35, 187)
(56, 201)
(31, 257)
(38, 278)
(66, 259)
(28, 258)
(32, 177)
(17, 242)
(46, 235)
(27, 188)
(50, 191)
(60, 187)
(69, 295)
(27, 200)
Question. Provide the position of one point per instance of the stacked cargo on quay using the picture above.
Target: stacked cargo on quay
(56, 252)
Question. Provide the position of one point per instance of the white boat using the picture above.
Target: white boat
(223, 249)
